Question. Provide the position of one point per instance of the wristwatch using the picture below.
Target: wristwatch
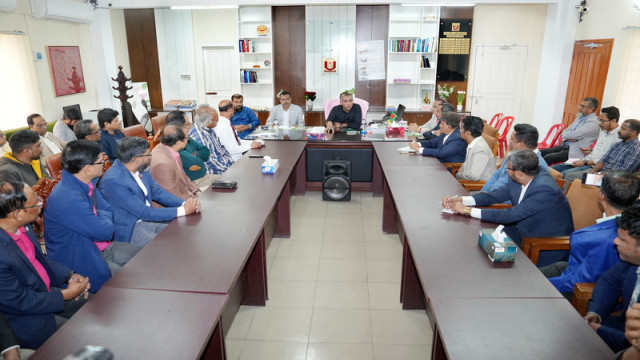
(467, 211)
(69, 276)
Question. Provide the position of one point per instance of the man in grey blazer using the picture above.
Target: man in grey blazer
(51, 144)
(286, 114)
(479, 163)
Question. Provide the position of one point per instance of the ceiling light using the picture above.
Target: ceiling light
(203, 7)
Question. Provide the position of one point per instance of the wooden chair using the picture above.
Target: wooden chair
(453, 167)
(158, 123)
(54, 165)
(154, 139)
(43, 188)
(135, 130)
(582, 293)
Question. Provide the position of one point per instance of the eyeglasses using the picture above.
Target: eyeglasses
(604, 121)
(148, 155)
(512, 169)
(38, 204)
(99, 163)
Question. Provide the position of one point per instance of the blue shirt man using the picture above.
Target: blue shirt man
(244, 119)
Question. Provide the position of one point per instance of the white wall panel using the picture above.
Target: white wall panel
(330, 32)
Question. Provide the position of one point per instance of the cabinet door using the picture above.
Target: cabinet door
(314, 118)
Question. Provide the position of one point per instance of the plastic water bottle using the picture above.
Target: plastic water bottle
(363, 125)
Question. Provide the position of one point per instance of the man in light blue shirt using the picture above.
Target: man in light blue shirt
(524, 136)
(244, 119)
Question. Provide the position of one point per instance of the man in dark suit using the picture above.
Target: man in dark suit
(449, 146)
(619, 281)
(130, 190)
(31, 295)
(540, 209)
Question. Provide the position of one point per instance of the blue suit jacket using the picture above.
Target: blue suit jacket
(24, 299)
(109, 143)
(500, 178)
(71, 227)
(126, 198)
(454, 150)
(543, 211)
(592, 253)
(245, 117)
(617, 281)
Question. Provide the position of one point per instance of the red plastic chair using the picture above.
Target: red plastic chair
(507, 121)
(554, 134)
(495, 120)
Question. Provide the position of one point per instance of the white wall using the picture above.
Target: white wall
(507, 25)
(212, 27)
(120, 48)
(330, 32)
(605, 20)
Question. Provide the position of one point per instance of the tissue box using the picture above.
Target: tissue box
(270, 166)
(395, 130)
(497, 251)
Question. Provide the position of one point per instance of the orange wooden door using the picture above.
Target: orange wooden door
(589, 68)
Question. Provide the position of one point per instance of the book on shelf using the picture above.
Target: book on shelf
(247, 46)
(413, 45)
(425, 62)
(187, 105)
(172, 104)
(249, 77)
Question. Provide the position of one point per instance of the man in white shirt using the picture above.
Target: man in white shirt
(63, 129)
(479, 164)
(51, 144)
(286, 114)
(435, 117)
(227, 134)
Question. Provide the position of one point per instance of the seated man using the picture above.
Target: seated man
(524, 136)
(87, 130)
(445, 107)
(449, 146)
(78, 222)
(433, 122)
(608, 136)
(227, 133)
(619, 281)
(346, 115)
(244, 119)
(130, 190)
(479, 164)
(286, 114)
(166, 167)
(203, 132)
(4, 144)
(623, 155)
(63, 129)
(194, 154)
(110, 134)
(592, 251)
(50, 143)
(23, 164)
(579, 135)
(31, 295)
(540, 209)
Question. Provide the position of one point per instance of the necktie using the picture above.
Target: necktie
(636, 290)
(235, 134)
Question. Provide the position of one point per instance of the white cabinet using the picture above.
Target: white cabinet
(256, 55)
(412, 60)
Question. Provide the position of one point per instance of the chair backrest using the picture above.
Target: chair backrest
(135, 130)
(331, 103)
(553, 134)
(505, 126)
(54, 165)
(158, 122)
(495, 120)
(583, 200)
(558, 139)
(492, 142)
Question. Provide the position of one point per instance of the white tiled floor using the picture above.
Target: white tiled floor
(334, 290)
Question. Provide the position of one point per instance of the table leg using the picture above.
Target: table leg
(300, 175)
(283, 210)
(437, 349)
(255, 292)
(388, 212)
(377, 178)
(412, 294)
(215, 349)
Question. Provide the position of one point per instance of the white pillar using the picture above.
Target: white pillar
(104, 60)
(555, 65)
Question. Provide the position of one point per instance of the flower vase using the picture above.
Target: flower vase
(309, 105)
(459, 107)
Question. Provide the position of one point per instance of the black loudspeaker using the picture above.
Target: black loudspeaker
(336, 180)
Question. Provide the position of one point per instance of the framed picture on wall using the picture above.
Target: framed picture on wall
(66, 70)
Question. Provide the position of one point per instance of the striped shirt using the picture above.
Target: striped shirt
(624, 155)
(220, 159)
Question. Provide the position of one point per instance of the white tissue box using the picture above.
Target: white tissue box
(497, 251)
(270, 166)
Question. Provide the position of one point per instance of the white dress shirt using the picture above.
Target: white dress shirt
(52, 146)
(225, 133)
(477, 213)
(136, 177)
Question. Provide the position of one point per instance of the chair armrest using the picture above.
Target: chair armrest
(453, 167)
(472, 185)
(581, 295)
(531, 246)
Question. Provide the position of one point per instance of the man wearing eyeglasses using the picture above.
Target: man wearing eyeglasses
(608, 136)
(130, 190)
(579, 135)
(51, 144)
(32, 298)
(23, 164)
(78, 221)
(87, 130)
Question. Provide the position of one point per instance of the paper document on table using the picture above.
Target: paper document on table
(446, 211)
(406, 150)
(571, 161)
(316, 130)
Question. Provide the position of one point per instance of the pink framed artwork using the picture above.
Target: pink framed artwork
(66, 69)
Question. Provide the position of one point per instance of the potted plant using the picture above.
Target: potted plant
(310, 96)
(461, 95)
(444, 91)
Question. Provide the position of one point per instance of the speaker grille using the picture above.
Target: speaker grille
(336, 187)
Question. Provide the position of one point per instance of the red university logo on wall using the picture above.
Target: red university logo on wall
(455, 27)
(330, 65)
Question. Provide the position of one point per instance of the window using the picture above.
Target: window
(19, 94)
(629, 92)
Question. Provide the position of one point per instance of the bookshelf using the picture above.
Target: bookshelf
(412, 60)
(256, 55)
